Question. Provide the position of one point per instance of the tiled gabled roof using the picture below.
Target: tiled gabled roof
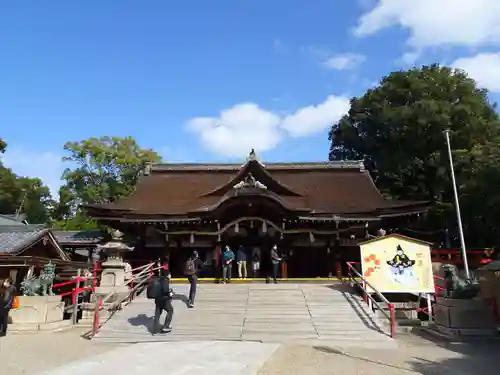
(339, 188)
(85, 237)
(15, 240)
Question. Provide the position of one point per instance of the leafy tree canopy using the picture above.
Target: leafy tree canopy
(103, 170)
(3, 146)
(23, 194)
(107, 168)
(397, 127)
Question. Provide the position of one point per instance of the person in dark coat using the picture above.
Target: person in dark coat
(163, 302)
(227, 264)
(192, 270)
(275, 261)
(256, 261)
(241, 261)
(7, 294)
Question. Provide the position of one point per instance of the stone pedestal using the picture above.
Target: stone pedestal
(112, 277)
(112, 282)
(38, 313)
(113, 270)
(464, 317)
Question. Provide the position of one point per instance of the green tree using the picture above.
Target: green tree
(9, 191)
(3, 146)
(103, 170)
(35, 200)
(24, 195)
(479, 193)
(106, 168)
(398, 127)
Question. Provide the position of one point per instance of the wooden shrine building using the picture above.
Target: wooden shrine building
(315, 212)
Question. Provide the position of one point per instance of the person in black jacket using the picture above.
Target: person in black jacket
(275, 262)
(163, 301)
(7, 294)
(192, 269)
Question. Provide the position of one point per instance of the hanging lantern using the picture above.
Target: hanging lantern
(264, 227)
(191, 238)
(236, 228)
(311, 237)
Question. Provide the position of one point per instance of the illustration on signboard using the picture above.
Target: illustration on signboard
(402, 267)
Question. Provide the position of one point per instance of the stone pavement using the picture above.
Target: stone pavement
(188, 358)
(307, 313)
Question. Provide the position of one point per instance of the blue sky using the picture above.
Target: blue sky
(204, 80)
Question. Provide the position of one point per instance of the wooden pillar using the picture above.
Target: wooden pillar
(217, 260)
(337, 257)
(285, 251)
(284, 270)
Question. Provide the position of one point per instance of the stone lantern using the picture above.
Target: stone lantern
(113, 269)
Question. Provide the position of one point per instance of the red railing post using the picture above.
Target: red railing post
(365, 292)
(95, 326)
(392, 321)
(94, 274)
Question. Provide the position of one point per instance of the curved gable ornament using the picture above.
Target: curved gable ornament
(252, 156)
(250, 182)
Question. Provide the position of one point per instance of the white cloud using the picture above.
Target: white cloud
(409, 58)
(484, 68)
(245, 126)
(238, 129)
(330, 60)
(344, 61)
(315, 118)
(46, 165)
(434, 23)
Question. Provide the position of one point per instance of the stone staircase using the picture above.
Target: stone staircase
(301, 313)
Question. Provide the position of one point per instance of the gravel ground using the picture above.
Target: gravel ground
(415, 356)
(32, 353)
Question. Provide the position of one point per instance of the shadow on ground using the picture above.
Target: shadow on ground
(355, 302)
(475, 357)
(143, 320)
(181, 297)
(148, 320)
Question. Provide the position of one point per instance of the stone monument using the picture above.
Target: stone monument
(113, 269)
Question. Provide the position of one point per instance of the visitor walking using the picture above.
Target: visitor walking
(227, 264)
(163, 302)
(241, 260)
(275, 260)
(256, 260)
(192, 269)
(7, 295)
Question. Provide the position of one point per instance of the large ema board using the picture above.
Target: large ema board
(397, 264)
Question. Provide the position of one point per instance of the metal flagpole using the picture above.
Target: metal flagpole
(457, 206)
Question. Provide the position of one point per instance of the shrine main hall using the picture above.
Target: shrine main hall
(315, 212)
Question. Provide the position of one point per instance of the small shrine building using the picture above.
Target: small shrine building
(315, 212)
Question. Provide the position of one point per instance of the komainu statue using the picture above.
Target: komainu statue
(41, 285)
(457, 287)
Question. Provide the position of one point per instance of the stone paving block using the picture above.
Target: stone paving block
(274, 313)
(189, 358)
